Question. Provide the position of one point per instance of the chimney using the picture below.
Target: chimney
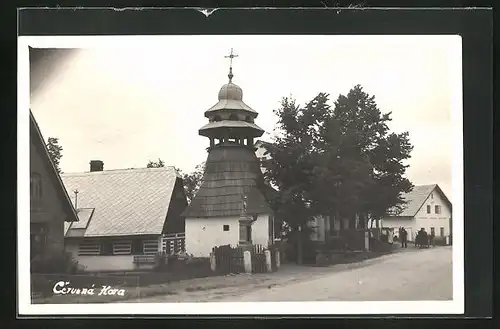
(96, 165)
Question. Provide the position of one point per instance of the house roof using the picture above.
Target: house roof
(417, 197)
(38, 141)
(122, 202)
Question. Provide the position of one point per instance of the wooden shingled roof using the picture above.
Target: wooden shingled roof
(231, 173)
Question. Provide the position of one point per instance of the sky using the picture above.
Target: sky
(128, 101)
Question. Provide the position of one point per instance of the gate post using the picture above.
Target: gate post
(278, 261)
(269, 266)
(247, 261)
(213, 263)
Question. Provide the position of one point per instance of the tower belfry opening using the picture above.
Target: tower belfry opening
(231, 121)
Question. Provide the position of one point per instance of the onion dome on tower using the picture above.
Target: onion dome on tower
(231, 120)
(233, 180)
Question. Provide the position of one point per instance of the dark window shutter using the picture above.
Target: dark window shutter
(137, 247)
(106, 248)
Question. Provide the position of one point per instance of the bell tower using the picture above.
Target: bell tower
(233, 186)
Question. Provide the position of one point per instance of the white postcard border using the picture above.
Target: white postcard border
(456, 306)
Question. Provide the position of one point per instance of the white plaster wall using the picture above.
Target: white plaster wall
(407, 222)
(105, 263)
(202, 234)
(260, 230)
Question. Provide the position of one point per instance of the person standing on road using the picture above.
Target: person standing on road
(404, 238)
(431, 238)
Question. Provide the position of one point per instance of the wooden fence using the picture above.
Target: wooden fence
(258, 259)
(231, 260)
(173, 243)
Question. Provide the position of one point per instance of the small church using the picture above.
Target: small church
(230, 208)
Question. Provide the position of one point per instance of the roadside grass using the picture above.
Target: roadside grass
(197, 285)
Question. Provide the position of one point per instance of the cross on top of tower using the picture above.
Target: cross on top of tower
(231, 56)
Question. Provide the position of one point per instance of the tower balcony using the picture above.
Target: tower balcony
(229, 129)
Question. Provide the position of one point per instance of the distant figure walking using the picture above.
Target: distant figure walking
(404, 238)
(431, 238)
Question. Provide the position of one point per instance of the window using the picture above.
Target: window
(441, 231)
(150, 247)
(38, 238)
(225, 228)
(233, 117)
(437, 209)
(35, 188)
(245, 233)
(122, 248)
(89, 249)
(433, 231)
(428, 209)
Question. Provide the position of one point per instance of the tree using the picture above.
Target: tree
(55, 152)
(369, 139)
(293, 159)
(339, 162)
(155, 164)
(193, 181)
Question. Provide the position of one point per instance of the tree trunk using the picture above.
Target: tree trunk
(300, 253)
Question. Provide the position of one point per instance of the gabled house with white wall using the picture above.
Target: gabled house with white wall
(426, 207)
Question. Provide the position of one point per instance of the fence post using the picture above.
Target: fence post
(367, 241)
(213, 263)
(278, 260)
(160, 243)
(247, 261)
(269, 265)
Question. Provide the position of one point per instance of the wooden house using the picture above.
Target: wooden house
(126, 216)
(50, 205)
